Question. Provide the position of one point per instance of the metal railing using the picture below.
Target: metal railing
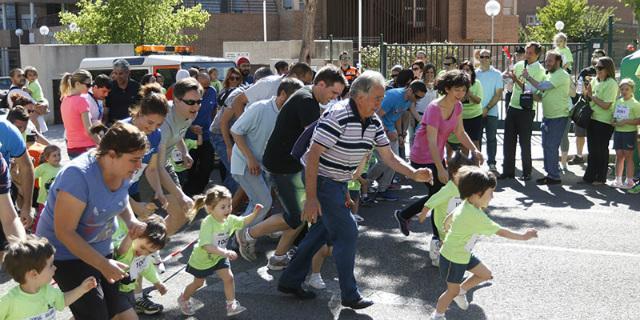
(234, 6)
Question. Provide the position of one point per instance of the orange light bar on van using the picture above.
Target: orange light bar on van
(144, 50)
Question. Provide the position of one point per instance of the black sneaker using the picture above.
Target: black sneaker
(360, 304)
(525, 177)
(403, 223)
(548, 181)
(300, 293)
(148, 307)
(576, 160)
(506, 176)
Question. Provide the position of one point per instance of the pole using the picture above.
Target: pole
(492, 24)
(264, 18)
(359, 34)
(331, 48)
(610, 38)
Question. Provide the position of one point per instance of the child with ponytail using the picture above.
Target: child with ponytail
(210, 254)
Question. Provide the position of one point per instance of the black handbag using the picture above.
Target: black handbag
(526, 101)
(581, 113)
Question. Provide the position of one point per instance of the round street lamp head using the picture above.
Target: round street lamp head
(492, 8)
(73, 27)
(19, 32)
(559, 25)
(44, 30)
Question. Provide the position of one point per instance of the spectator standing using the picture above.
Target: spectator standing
(492, 88)
(215, 82)
(244, 65)
(123, 94)
(76, 112)
(472, 106)
(96, 96)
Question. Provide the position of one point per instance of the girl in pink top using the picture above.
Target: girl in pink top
(442, 117)
(75, 112)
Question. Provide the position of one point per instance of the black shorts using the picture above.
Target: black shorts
(473, 128)
(101, 303)
(454, 272)
(200, 274)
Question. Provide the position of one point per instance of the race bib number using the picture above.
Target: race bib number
(471, 243)
(49, 315)
(221, 240)
(453, 203)
(621, 112)
(176, 155)
(137, 265)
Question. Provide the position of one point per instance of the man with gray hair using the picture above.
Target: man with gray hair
(124, 93)
(344, 135)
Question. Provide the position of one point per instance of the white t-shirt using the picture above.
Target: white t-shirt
(265, 88)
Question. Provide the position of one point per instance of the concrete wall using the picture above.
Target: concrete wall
(53, 60)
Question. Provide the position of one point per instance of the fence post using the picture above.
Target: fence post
(331, 48)
(610, 37)
(383, 56)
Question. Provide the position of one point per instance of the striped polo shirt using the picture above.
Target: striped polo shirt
(347, 139)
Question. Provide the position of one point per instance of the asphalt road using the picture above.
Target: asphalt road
(582, 266)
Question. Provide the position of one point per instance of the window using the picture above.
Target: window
(532, 20)
(416, 11)
(508, 7)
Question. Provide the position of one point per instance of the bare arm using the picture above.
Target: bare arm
(495, 99)
(9, 218)
(86, 123)
(71, 296)
(601, 103)
(528, 234)
(227, 115)
(252, 162)
(432, 140)
(124, 246)
(153, 176)
(395, 162)
(26, 183)
(414, 112)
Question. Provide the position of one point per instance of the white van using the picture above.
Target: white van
(166, 65)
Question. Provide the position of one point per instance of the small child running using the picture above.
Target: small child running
(30, 263)
(210, 254)
(137, 254)
(442, 203)
(468, 223)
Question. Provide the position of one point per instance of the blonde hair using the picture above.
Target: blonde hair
(628, 82)
(211, 198)
(69, 80)
(559, 36)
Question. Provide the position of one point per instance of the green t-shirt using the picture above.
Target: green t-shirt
(216, 84)
(468, 224)
(555, 102)
(191, 144)
(536, 71)
(443, 202)
(214, 233)
(624, 110)
(138, 266)
(36, 90)
(472, 110)
(19, 305)
(606, 91)
(45, 173)
(567, 56)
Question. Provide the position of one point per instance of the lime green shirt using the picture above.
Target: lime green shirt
(536, 71)
(354, 185)
(138, 266)
(191, 144)
(468, 224)
(443, 202)
(555, 102)
(625, 110)
(216, 84)
(453, 138)
(36, 90)
(567, 56)
(472, 110)
(45, 173)
(606, 91)
(213, 233)
(19, 305)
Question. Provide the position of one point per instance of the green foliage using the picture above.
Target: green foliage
(404, 55)
(582, 22)
(132, 21)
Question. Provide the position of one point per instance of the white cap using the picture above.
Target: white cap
(182, 74)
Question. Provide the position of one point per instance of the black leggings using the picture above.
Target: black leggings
(415, 208)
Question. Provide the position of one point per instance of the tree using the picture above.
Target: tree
(132, 21)
(582, 22)
(635, 6)
(308, 26)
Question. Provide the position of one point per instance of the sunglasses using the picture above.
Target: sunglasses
(417, 96)
(485, 57)
(192, 102)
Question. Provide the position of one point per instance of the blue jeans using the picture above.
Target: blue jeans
(336, 225)
(552, 132)
(490, 124)
(258, 191)
(221, 149)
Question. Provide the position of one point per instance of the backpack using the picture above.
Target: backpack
(304, 141)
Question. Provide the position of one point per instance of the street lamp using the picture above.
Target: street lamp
(559, 26)
(492, 9)
(44, 31)
(19, 33)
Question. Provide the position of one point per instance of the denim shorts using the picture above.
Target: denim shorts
(625, 140)
(200, 274)
(454, 272)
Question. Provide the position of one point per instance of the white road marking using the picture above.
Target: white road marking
(563, 249)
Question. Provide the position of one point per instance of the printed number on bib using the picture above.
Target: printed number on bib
(221, 240)
(176, 155)
(49, 315)
(621, 112)
(137, 265)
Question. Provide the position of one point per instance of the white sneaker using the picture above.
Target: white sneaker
(628, 184)
(186, 306)
(157, 261)
(461, 301)
(234, 308)
(435, 317)
(615, 184)
(434, 252)
(315, 281)
(358, 217)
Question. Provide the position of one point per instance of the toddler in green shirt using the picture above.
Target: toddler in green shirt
(626, 117)
(442, 203)
(30, 263)
(136, 253)
(468, 224)
(45, 173)
(210, 254)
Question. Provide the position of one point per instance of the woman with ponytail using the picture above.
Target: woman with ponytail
(75, 112)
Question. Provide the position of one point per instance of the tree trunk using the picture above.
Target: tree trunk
(308, 24)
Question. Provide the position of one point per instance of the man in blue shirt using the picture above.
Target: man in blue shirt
(395, 103)
(202, 156)
(492, 85)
